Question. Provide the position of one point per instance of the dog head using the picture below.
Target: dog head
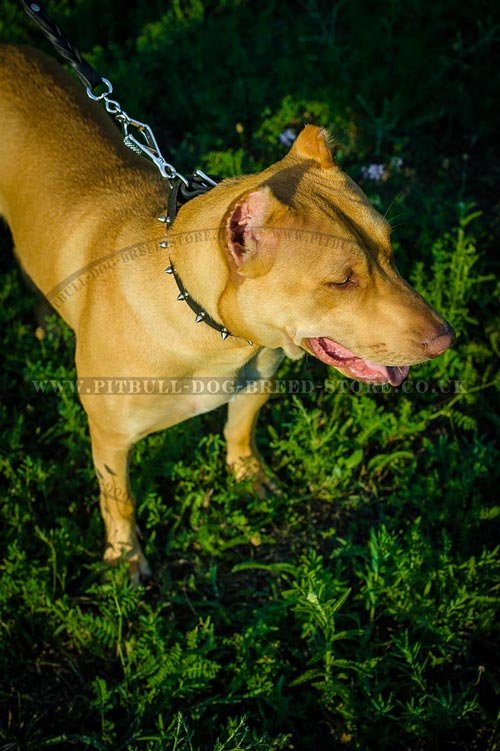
(310, 267)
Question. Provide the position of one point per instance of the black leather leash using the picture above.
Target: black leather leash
(138, 136)
(88, 75)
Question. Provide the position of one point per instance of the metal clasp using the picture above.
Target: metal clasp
(148, 145)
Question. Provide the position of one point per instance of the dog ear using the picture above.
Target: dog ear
(313, 143)
(246, 236)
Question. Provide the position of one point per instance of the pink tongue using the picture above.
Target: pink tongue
(338, 356)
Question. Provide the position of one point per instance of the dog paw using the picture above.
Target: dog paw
(140, 571)
(257, 476)
(266, 484)
(139, 568)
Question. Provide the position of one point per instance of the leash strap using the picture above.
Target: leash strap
(68, 52)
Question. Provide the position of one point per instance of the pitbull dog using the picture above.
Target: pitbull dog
(292, 260)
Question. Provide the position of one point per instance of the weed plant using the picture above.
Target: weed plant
(357, 609)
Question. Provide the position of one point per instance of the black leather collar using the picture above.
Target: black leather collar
(180, 192)
(201, 315)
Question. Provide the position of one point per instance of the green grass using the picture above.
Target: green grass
(359, 608)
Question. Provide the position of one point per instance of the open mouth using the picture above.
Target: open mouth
(339, 357)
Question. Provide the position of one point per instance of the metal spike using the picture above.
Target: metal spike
(224, 334)
(169, 270)
(163, 218)
(201, 315)
(163, 244)
(182, 295)
(249, 342)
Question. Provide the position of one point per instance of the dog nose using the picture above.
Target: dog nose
(440, 343)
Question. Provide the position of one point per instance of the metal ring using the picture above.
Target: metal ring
(112, 106)
(98, 97)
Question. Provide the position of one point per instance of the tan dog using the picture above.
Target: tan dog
(293, 259)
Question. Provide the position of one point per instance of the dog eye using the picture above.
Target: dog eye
(343, 283)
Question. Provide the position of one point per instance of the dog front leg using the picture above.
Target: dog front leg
(111, 457)
(242, 455)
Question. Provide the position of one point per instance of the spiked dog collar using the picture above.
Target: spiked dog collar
(200, 314)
